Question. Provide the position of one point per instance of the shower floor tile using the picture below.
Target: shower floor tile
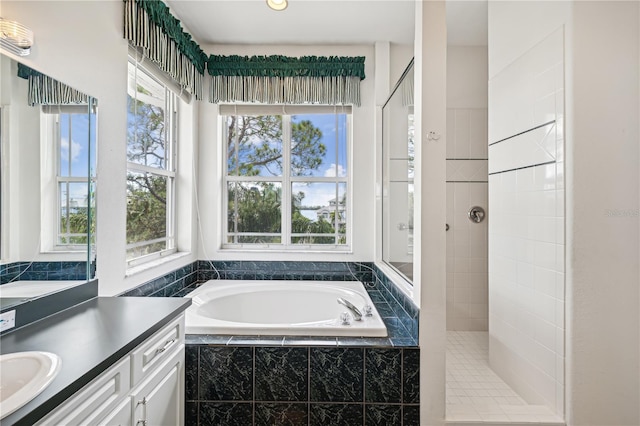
(475, 393)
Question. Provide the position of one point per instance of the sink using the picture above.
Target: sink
(23, 375)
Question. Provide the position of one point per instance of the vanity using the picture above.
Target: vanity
(122, 362)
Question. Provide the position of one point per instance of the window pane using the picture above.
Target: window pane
(318, 208)
(315, 239)
(74, 142)
(253, 239)
(319, 145)
(73, 213)
(146, 208)
(145, 249)
(146, 123)
(254, 207)
(254, 145)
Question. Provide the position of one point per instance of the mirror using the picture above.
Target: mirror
(397, 176)
(47, 185)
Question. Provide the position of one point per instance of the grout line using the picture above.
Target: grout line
(522, 133)
(522, 168)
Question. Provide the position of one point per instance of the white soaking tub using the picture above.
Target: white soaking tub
(298, 308)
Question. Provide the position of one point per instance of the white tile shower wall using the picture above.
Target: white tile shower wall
(467, 292)
(526, 230)
(466, 134)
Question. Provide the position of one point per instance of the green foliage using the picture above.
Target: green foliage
(78, 222)
(146, 210)
(146, 192)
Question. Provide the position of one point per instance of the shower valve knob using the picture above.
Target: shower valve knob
(476, 214)
(345, 318)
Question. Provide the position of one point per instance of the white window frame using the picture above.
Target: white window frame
(286, 179)
(170, 170)
(51, 176)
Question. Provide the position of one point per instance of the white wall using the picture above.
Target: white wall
(400, 56)
(82, 45)
(467, 293)
(601, 139)
(362, 155)
(602, 180)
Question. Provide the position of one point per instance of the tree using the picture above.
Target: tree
(146, 192)
(254, 145)
(254, 148)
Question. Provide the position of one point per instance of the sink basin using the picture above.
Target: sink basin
(23, 375)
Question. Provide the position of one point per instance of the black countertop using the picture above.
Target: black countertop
(89, 337)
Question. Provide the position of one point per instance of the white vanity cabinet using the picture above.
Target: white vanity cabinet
(145, 388)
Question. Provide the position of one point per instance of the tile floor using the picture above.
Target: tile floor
(476, 394)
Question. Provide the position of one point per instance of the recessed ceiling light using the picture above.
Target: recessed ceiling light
(277, 4)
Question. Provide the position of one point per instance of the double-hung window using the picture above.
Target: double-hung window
(151, 166)
(75, 144)
(68, 176)
(286, 180)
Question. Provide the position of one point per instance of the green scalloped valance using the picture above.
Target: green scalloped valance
(25, 71)
(285, 66)
(44, 90)
(329, 80)
(149, 25)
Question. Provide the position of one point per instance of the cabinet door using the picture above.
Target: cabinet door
(122, 415)
(95, 400)
(159, 399)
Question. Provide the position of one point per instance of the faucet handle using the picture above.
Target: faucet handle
(367, 310)
(345, 318)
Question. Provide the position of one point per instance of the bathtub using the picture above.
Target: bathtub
(298, 308)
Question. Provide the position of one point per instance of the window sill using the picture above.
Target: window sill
(345, 250)
(155, 263)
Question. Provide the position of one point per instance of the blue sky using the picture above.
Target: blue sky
(76, 139)
(327, 124)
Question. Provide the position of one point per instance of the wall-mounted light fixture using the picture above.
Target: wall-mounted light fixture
(15, 37)
(277, 4)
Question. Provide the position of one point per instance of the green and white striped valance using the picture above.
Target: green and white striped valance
(150, 26)
(44, 90)
(287, 80)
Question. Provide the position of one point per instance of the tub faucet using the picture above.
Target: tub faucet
(357, 315)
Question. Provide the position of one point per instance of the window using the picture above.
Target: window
(286, 177)
(75, 137)
(67, 175)
(151, 171)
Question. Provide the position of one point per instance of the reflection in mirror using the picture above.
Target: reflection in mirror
(47, 185)
(397, 176)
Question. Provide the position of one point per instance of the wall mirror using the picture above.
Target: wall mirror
(397, 176)
(47, 185)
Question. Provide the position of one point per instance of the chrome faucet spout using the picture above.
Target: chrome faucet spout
(357, 315)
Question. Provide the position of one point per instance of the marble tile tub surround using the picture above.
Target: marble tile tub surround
(398, 311)
(306, 385)
(43, 271)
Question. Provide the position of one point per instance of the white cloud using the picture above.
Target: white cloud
(76, 148)
(331, 171)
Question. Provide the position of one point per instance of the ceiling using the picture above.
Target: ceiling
(323, 21)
